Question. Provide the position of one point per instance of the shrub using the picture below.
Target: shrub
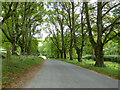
(112, 58)
(89, 57)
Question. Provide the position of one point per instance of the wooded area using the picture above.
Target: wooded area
(74, 29)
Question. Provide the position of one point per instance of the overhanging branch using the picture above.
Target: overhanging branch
(110, 9)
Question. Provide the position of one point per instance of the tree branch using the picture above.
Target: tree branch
(112, 24)
(105, 4)
(7, 15)
(112, 37)
(110, 9)
(6, 35)
(88, 23)
(18, 36)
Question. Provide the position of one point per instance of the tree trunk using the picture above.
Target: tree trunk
(99, 57)
(70, 53)
(28, 48)
(99, 49)
(81, 51)
(63, 46)
(14, 49)
(22, 50)
(83, 35)
(61, 54)
(78, 53)
(92, 52)
(57, 54)
(64, 53)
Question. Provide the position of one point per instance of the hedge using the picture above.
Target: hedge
(112, 58)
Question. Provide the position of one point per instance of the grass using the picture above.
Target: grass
(18, 65)
(0, 73)
(111, 68)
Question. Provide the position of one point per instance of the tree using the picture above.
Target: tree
(67, 7)
(9, 19)
(101, 29)
(19, 23)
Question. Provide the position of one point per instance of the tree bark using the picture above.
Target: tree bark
(74, 36)
(61, 22)
(83, 34)
(99, 48)
(69, 23)
(78, 53)
(57, 54)
(61, 53)
(28, 48)
(99, 57)
(14, 49)
(62, 36)
(81, 50)
(64, 52)
(70, 54)
(22, 50)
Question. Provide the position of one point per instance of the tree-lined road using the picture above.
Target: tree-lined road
(58, 74)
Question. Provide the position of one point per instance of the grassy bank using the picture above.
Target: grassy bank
(17, 67)
(0, 72)
(111, 68)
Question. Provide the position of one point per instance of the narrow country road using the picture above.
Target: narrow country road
(58, 74)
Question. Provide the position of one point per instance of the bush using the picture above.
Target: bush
(89, 57)
(112, 58)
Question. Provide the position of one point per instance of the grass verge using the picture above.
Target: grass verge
(17, 67)
(111, 69)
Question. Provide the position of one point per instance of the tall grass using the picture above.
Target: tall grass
(17, 66)
(0, 72)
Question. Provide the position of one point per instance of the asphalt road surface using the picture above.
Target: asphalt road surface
(58, 74)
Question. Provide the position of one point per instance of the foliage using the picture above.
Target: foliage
(70, 26)
(19, 25)
(111, 48)
(47, 49)
(34, 46)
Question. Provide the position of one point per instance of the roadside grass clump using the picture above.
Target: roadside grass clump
(111, 69)
(17, 66)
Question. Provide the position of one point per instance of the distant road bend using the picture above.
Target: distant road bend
(58, 74)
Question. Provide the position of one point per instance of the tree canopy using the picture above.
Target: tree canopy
(73, 29)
